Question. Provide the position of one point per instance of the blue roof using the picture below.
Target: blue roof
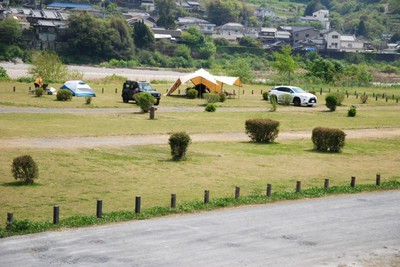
(69, 5)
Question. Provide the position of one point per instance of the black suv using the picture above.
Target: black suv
(132, 87)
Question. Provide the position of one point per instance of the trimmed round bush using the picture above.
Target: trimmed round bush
(222, 97)
(340, 98)
(352, 111)
(286, 99)
(328, 139)
(25, 168)
(211, 97)
(265, 95)
(331, 102)
(179, 143)
(262, 130)
(64, 95)
(210, 107)
(39, 92)
(145, 101)
(191, 93)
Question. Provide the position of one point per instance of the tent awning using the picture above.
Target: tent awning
(201, 76)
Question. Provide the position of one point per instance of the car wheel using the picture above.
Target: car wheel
(296, 101)
(125, 99)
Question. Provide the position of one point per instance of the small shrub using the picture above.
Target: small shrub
(222, 97)
(352, 111)
(39, 92)
(18, 225)
(210, 107)
(311, 91)
(191, 93)
(265, 95)
(145, 100)
(25, 168)
(340, 98)
(179, 143)
(331, 102)
(274, 103)
(64, 95)
(211, 97)
(328, 139)
(88, 100)
(3, 74)
(262, 130)
(286, 99)
(364, 99)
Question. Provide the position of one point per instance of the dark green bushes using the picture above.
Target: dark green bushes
(212, 97)
(331, 102)
(191, 93)
(210, 107)
(352, 111)
(328, 139)
(145, 100)
(179, 143)
(222, 97)
(265, 95)
(39, 92)
(63, 95)
(25, 168)
(262, 130)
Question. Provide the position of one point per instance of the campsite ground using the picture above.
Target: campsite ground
(110, 150)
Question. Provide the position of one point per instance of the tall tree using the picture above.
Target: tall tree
(224, 11)
(361, 29)
(143, 36)
(166, 11)
(9, 31)
(201, 46)
(99, 39)
(285, 62)
(48, 65)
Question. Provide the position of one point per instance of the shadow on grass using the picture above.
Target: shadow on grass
(19, 183)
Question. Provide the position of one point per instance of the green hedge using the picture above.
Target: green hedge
(328, 139)
(262, 130)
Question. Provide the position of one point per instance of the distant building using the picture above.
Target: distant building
(262, 13)
(321, 16)
(205, 27)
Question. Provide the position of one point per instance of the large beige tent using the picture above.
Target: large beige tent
(201, 76)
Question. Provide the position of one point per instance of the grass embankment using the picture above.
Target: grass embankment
(75, 178)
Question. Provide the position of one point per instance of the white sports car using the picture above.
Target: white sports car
(299, 96)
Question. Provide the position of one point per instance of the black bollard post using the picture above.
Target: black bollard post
(10, 217)
(116, 90)
(378, 179)
(56, 214)
(237, 192)
(326, 184)
(173, 201)
(353, 181)
(137, 204)
(102, 90)
(206, 196)
(152, 112)
(99, 208)
(14, 89)
(269, 188)
(298, 186)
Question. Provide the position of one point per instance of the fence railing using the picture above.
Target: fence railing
(173, 203)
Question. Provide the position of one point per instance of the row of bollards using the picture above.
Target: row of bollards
(138, 201)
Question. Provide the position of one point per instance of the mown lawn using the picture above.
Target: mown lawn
(75, 178)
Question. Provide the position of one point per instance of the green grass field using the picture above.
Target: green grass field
(75, 178)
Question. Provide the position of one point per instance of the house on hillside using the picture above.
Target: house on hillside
(262, 13)
(349, 43)
(205, 27)
(320, 16)
(231, 28)
(300, 33)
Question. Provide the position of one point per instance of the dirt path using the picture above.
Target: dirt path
(131, 140)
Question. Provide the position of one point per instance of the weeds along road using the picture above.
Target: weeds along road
(348, 230)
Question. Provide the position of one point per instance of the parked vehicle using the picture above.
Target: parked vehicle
(299, 96)
(130, 88)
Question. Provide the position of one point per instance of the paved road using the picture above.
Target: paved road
(351, 230)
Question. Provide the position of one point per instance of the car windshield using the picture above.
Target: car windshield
(297, 90)
(145, 87)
